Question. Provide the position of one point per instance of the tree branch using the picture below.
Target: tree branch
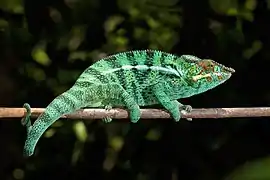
(146, 113)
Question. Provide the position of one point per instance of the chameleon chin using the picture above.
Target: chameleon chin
(131, 79)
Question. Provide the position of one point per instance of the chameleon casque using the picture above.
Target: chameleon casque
(131, 79)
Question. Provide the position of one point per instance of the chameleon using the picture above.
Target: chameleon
(131, 79)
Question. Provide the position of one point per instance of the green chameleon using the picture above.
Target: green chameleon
(131, 79)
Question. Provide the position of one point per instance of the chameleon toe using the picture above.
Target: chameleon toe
(107, 120)
(187, 108)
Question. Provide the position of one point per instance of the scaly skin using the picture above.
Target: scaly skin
(132, 79)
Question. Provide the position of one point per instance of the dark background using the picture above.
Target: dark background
(46, 44)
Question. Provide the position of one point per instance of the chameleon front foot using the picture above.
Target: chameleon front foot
(186, 109)
(135, 113)
(107, 119)
(26, 120)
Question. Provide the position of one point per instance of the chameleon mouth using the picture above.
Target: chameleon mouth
(196, 78)
(209, 75)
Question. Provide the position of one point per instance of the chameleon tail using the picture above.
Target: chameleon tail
(26, 121)
(63, 104)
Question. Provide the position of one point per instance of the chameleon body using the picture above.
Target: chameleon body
(132, 79)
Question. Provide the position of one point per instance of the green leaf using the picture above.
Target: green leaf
(251, 4)
(18, 173)
(67, 76)
(112, 22)
(247, 15)
(15, 6)
(39, 74)
(77, 151)
(153, 23)
(140, 33)
(77, 37)
(268, 4)
(163, 2)
(77, 55)
(256, 46)
(49, 133)
(80, 131)
(153, 135)
(258, 169)
(116, 143)
(40, 56)
(228, 7)
(34, 72)
(232, 12)
(3, 24)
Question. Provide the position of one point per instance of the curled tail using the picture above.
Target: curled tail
(65, 103)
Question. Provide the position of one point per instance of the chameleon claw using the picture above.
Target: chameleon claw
(108, 107)
(107, 119)
(186, 109)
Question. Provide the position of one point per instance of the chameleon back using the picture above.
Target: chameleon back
(136, 71)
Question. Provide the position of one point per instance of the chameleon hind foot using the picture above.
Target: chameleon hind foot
(135, 113)
(129, 102)
(185, 109)
(107, 119)
(26, 120)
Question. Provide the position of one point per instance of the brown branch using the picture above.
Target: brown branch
(146, 113)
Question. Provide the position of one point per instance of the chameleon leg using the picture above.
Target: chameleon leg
(173, 106)
(26, 120)
(132, 106)
(128, 101)
(112, 94)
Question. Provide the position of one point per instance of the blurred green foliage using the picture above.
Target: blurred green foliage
(52, 42)
(257, 169)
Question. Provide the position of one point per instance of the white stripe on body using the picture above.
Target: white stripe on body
(169, 70)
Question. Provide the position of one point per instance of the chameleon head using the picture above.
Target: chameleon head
(205, 74)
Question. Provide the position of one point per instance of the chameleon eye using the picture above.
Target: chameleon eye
(211, 65)
(207, 64)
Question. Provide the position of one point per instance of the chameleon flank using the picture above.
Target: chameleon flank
(131, 79)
